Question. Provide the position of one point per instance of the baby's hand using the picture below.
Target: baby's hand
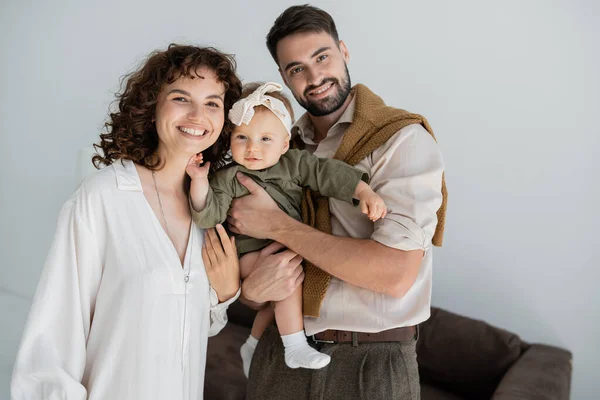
(193, 168)
(372, 205)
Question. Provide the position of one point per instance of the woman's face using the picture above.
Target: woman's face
(190, 114)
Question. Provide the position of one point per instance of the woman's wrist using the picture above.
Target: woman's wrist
(225, 295)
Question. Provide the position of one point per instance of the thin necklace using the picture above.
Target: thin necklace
(161, 206)
(162, 212)
(186, 275)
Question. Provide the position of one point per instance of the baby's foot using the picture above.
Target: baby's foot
(305, 357)
(299, 354)
(247, 351)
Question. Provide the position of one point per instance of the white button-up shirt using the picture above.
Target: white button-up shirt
(407, 173)
(113, 316)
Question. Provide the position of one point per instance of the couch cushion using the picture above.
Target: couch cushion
(463, 355)
(432, 393)
(224, 378)
(542, 372)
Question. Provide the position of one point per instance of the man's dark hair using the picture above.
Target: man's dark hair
(300, 19)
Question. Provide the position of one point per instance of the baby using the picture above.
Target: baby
(260, 148)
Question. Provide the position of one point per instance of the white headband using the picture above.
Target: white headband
(243, 109)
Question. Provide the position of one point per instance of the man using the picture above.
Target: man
(367, 285)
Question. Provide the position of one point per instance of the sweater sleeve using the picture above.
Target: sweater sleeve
(329, 177)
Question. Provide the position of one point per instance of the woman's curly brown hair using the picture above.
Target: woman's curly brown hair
(130, 131)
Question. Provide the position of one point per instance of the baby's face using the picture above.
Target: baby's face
(261, 143)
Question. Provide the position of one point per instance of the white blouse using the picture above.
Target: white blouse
(114, 316)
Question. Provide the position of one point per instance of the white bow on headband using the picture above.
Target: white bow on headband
(243, 109)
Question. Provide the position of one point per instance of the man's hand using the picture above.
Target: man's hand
(275, 275)
(256, 215)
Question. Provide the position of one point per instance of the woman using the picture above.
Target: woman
(125, 303)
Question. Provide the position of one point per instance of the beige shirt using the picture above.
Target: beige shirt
(407, 173)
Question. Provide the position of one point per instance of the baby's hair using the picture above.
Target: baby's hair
(248, 88)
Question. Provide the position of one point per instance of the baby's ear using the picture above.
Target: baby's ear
(286, 146)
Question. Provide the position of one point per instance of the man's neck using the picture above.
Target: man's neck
(323, 124)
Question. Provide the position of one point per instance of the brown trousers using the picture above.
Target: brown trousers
(370, 371)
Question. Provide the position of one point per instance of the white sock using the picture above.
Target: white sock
(247, 351)
(299, 354)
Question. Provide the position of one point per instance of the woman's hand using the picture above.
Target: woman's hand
(221, 262)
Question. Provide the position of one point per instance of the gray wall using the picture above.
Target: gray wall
(511, 89)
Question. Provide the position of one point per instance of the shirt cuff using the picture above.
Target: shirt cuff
(214, 300)
(401, 233)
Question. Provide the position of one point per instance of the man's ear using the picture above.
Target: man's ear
(344, 51)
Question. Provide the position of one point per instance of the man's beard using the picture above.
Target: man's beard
(327, 106)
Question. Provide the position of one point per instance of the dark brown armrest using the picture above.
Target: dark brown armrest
(542, 372)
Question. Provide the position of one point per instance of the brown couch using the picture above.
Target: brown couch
(459, 358)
